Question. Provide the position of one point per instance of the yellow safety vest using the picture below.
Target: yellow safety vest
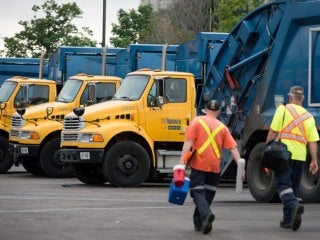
(286, 132)
(210, 139)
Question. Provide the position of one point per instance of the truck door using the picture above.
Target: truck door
(167, 121)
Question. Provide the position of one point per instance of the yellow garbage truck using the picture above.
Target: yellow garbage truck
(137, 134)
(35, 132)
(17, 92)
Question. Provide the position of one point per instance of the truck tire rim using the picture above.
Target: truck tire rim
(127, 164)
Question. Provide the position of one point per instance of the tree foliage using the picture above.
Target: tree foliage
(229, 12)
(134, 26)
(179, 22)
(49, 32)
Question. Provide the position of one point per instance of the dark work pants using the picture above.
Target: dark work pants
(203, 186)
(288, 183)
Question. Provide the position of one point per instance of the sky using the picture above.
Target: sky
(12, 11)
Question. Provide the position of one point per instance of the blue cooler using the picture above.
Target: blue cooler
(177, 195)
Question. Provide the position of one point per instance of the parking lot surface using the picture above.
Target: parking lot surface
(40, 208)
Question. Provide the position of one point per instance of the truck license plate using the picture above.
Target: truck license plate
(84, 155)
(24, 150)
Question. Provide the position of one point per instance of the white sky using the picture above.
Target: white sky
(12, 11)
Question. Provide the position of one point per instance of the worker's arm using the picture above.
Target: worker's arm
(272, 135)
(235, 154)
(313, 147)
(187, 145)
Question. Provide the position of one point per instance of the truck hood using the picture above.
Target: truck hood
(60, 109)
(111, 109)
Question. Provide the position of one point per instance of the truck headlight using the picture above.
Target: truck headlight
(29, 135)
(91, 137)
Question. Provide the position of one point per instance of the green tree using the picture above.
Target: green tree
(134, 26)
(229, 12)
(49, 32)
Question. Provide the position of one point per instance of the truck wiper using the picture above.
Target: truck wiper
(121, 98)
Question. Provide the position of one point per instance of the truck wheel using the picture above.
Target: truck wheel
(261, 183)
(51, 163)
(89, 173)
(32, 165)
(126, 164)
(6, 159)
(310, 184)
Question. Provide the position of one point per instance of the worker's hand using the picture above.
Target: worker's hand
(313, 168)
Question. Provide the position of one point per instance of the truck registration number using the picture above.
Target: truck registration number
(84, 155)
(24, 150)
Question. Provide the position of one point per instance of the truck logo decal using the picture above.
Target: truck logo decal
(172, 124)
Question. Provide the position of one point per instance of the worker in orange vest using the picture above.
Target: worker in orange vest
(296, 128)
(206, 137)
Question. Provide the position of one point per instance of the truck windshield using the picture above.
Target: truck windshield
(6, 90)
(69, 91)
(132, 87)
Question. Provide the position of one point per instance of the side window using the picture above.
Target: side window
(32, 95)
(38, 94)
(105, 91)
(175, 90)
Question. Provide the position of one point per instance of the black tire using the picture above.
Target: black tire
(6, 159)
(32, 165)
(126, 164)
(51, 163)
(89, 173)
(310, 184)
(261, 183)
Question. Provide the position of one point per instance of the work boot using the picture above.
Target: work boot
(197, 228)
(296, 217)
(207, 223)
(284, 224)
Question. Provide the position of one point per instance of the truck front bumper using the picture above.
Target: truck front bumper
(23, 150)
(82, 155)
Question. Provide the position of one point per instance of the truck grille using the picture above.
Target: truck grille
(73, 123)
(17, 121)
(69, 137)
(14, 133)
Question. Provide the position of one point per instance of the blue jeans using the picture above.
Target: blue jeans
(203, 186)
(288, 183)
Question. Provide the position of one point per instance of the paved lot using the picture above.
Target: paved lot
(42, 208)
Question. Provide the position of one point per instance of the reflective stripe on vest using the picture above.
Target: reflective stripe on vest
(296, 122)
(210, 139)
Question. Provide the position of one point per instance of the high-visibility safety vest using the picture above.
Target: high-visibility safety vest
(210, 140)
(297, 121)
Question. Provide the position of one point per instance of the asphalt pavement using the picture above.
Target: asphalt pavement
(40, 208)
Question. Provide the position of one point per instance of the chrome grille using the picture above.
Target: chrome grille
(73, 123)
(14, 133)
(17, 121)
(69, 137)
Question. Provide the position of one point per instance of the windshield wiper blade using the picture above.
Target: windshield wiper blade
(121, 98)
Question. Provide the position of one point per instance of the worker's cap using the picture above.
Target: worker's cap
(296, 90)
(213, 105)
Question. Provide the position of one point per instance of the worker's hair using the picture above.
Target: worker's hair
(297, 93)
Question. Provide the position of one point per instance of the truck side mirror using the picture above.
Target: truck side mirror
(91, 93)
(160, 91)
(21, 111)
